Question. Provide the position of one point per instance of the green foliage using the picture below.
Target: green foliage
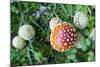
(38, 50)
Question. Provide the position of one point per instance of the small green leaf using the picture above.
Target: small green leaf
(38, 56)
(75, 60)
(67, 61)
(71, 57)
(90, 56)
(13, 9)
(83, 45)
(71, 51)
(86, 32)
(84, 48)
(88, 42)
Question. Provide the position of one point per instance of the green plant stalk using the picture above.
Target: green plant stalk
(28, 55)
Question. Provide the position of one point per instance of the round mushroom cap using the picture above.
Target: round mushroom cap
(63, 36)
(27, 32)
(18, 42)
(53, 22)
(80, 20)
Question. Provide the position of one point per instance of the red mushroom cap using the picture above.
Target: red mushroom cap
(63, 36)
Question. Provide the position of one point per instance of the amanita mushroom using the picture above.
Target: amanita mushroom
(27, 32)
(63, 36)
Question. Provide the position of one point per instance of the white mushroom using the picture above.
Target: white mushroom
(18, 42)
(80, 20)
(27, 32)
(53, 22)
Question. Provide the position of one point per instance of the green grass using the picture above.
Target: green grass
(38, 50)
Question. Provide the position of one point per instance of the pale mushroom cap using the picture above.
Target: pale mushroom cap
(53, 22)
(80, 20)
(18, 42)
(63, 36)
(27, 32)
